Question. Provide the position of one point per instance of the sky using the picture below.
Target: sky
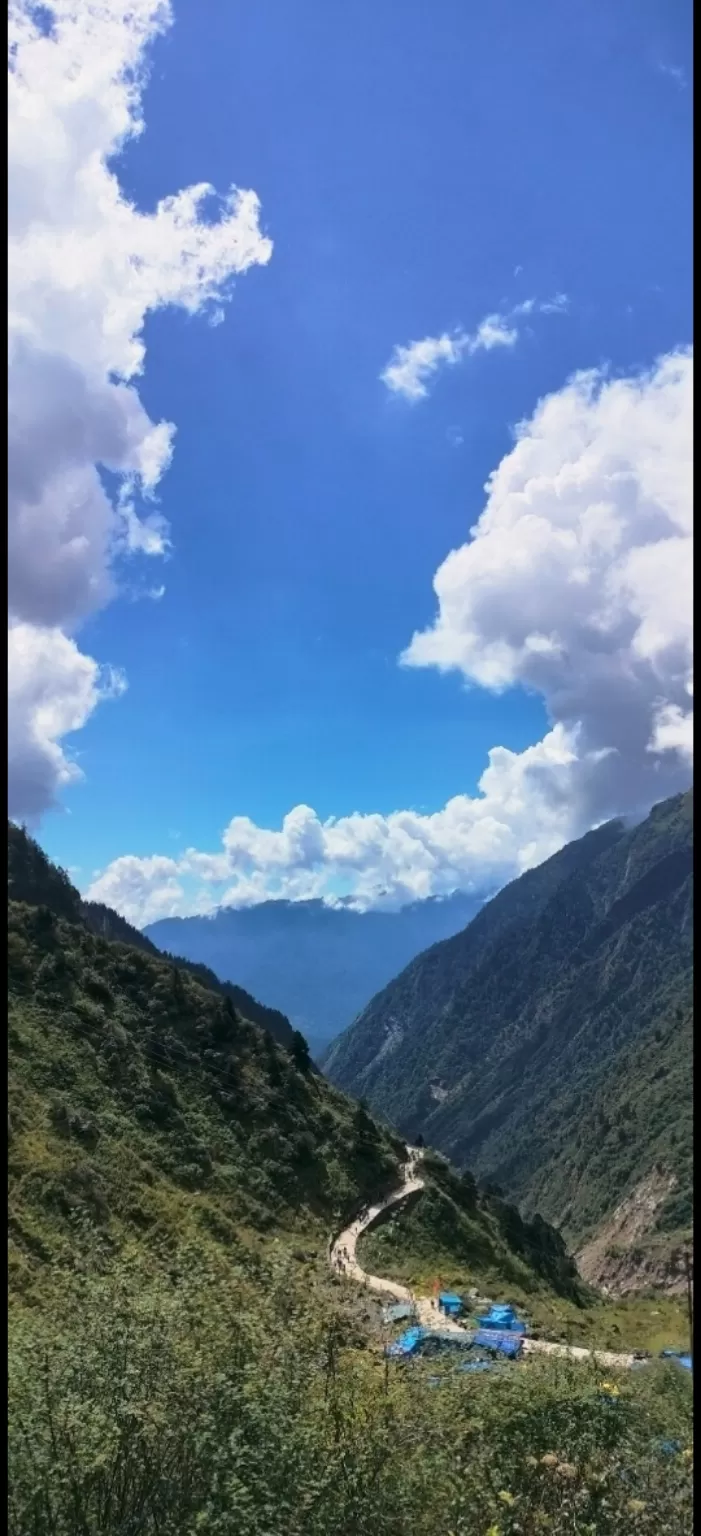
(350, 439)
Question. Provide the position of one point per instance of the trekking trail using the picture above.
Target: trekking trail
(343, 1261)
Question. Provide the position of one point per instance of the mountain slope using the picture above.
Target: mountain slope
(142, 1102)
(32, 878)
(144, 1105)
(319, 964)
(547, 1046)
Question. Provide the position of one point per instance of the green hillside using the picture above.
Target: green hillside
(547, 1047)
(180, 1357)
(142, 1101)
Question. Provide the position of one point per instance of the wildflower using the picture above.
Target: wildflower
(636, 1506)
(506, 1497)
(493, 1530)
(566, 1469)
(549, 1459)
(688, 1453)
(610, 1388)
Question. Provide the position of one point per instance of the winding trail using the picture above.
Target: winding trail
(342, 1258)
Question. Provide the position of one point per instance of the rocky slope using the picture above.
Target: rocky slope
(548, 1046)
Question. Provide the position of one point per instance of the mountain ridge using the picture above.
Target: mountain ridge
(318, 963)
(505, 1045)
(148, 1111)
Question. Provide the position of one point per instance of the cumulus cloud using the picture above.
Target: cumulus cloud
(575, 584)
(518, 818)
(412, 367)
(85, 268)
(53, 689)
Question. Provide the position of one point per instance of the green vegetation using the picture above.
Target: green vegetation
(194, 1402)
(548, 1046)
(456, 1225)
(182, 1361)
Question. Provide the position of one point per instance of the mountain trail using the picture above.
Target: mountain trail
(343, 1261)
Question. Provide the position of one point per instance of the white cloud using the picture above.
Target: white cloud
(576, 581)
(518, 818)
(674, 72)
(411, 367)
(52, 690)
(575, 584)
(85, 268)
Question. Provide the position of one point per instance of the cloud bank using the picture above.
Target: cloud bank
(411, 368)
(85, 268)
(575, 583)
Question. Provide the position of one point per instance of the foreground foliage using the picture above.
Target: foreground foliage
(217, 1402)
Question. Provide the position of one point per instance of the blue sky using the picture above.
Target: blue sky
(418, 169)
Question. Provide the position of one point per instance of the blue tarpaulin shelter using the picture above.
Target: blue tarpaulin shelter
(501, 1343)
(407, 1343)
(679, 1356)
(450, 1303)
(503, 1319)
(397, 1314)
(419, 1340)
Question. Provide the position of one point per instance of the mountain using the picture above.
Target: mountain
(145, 1103)
(548, 1045)
(180, 1356)
(319, 964)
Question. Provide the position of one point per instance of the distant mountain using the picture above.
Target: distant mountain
(319, 964)
(548, 1046)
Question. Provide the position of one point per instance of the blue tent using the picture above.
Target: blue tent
(450, 1303)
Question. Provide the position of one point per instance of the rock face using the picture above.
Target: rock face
(627, 1254)
(548, 1045)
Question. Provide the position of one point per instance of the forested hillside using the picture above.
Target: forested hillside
(548, 1046)
(143, 1101)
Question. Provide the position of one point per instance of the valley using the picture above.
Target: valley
(202, 1230)
(548, 1046)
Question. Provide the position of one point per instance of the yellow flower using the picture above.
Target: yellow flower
(493, 1530)
(636, 1506)
(506, 1497)
(611, 1388)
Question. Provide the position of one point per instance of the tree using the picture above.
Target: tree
(299, 1051)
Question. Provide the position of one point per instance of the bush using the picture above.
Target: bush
(208, 1403)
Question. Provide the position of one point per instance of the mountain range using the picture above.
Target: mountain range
(317, 963)
(548, 1046)
(157, 1108)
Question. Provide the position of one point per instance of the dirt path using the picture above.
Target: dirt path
(342, 1256)
(343, 1261)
